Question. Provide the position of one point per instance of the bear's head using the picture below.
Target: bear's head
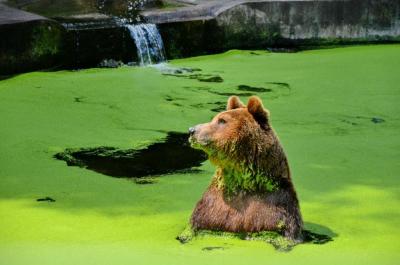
(233, 135)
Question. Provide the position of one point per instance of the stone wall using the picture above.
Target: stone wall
(262, 24)
(28, 42)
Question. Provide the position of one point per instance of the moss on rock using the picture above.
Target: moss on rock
(31, 46)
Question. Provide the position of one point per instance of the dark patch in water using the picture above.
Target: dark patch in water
(4, 77)
(230, 93)
(46, 199)
(215, 79)
(78, 99)
(212, 248)
(144, 181)
(199, 77)
(253, 89)
(220, 106)
(191, 70)
(377, 120)
(281, 84)
(217, 106)
(282, 50)
(208, 89)
(85, 101)
(349, 122)
(276, 90)
(359, 120)
(172, 155)
(314, 238)
(168, 98)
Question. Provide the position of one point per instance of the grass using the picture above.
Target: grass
(345, 166)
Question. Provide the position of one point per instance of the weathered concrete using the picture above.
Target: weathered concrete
(10, 15)
(199, 10)
(62, 8)
(214, 26)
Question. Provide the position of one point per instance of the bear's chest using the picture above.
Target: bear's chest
(249, 213)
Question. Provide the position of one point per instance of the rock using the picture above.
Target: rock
(110, 63)
(33, 42)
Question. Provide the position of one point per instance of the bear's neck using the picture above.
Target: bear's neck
(259, 171)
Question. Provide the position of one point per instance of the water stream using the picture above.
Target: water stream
(148, 41)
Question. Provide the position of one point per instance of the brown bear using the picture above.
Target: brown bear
(251, 190)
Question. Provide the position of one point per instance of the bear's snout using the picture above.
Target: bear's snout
(197, 137)
(192, 130)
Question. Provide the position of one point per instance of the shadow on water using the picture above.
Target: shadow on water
(5, 77)
(174, 154)
(319, 229)
(312, 234)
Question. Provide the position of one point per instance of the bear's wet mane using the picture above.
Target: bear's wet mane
(250, 162)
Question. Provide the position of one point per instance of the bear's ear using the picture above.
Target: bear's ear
(234, 103)
(256, 108)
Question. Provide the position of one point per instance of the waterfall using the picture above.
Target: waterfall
(150, 47)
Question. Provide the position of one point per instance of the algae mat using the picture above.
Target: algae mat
(336, 112)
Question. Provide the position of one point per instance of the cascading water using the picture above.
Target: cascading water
(150, 47)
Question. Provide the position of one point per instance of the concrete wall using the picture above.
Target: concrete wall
(316, 19)
(262, 24)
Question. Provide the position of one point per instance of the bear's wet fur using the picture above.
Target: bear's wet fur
(251, 190)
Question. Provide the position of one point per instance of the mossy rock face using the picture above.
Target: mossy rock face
(30, 46)
(184, 39)
(47, 44)
(89, 47)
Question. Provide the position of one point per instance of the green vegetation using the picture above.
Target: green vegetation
(338, 123)
(277, 240)
(234, 181)
(46, 40)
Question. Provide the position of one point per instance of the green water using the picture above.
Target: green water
(345, 166)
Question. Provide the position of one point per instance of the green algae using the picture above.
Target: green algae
(235, 181)
(346, 175)
(275, 238)
(187, 235)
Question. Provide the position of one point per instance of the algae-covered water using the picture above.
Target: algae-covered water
(336, 112)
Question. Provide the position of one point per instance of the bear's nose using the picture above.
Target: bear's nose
(192, 130)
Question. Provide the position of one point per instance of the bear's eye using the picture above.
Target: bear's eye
(221, 121)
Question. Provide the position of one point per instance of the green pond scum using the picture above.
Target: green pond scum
(336, 112)
(279, 242)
